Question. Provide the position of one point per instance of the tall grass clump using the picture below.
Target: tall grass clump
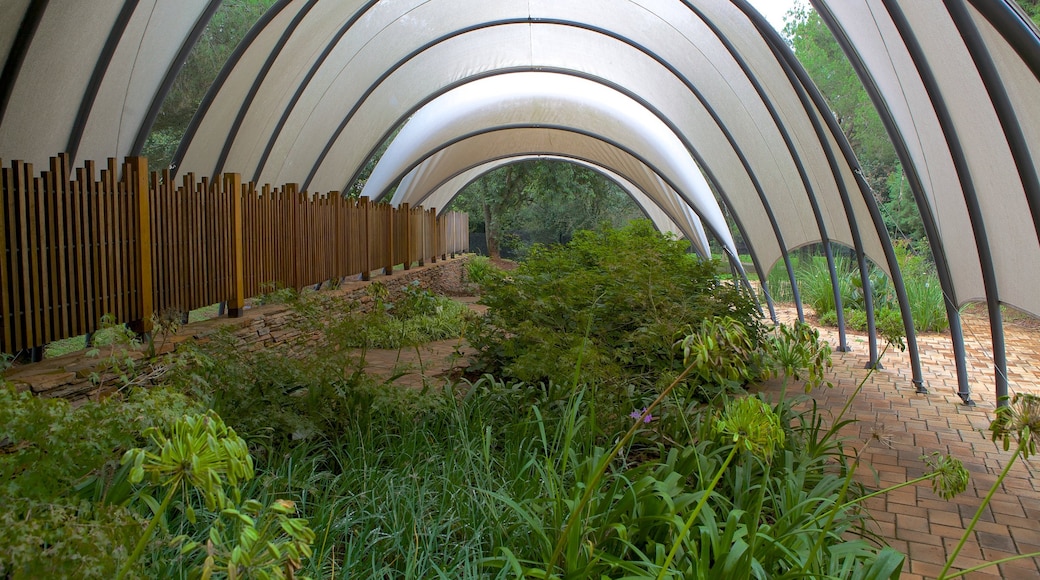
(922, 288)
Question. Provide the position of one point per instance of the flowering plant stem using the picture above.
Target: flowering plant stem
(602, 468)
(141, 543)
(978, 514)
(696, 512)
(880, 492)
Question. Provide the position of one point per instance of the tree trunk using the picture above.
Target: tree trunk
(490, 234)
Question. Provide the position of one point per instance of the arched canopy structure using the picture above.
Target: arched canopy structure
(316, 87)
(550, 102)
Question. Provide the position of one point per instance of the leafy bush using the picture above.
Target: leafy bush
(55, 460)
(481, 271)
(47, 447)
(604, 309)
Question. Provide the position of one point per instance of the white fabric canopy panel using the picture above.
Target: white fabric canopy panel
(1005, 215)
(67, 54)
(415, 190)
(551, 100)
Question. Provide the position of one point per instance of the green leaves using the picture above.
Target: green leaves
(798, 353)
(201, 453)
(949, 477)
(1020, 420)
(750, 424)
(634, 290)
(256, 541)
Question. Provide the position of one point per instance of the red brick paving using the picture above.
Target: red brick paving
(913, 519)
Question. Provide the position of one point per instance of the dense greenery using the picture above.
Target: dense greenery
(924, 292)
(293, 462)
(606, 308)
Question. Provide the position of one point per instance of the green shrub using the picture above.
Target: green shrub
(480, 270)
(604, 309)
(65, 538)
(48, 447)
(55, 460)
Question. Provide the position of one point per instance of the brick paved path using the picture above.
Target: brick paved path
(913, 519)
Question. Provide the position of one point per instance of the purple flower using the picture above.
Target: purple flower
(638, 414)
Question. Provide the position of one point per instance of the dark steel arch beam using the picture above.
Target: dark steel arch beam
(514, 159)
(98, 76)
(218, 83)
(20, 47)
(1018, 33)
(171, 75)
(620, 146)
(1005, 110)
(960, 162)
(313, 70)
(927, 217)
(868, 198)
(257, 81)
(796, 159)
(801, 83)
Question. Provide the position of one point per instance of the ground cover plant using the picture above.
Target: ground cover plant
(303, 466)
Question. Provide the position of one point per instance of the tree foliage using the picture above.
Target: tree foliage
(542, 202)
(1032, 9)
(224, 32)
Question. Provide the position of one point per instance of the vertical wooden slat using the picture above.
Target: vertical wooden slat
(6, 283)
(43, 263)
(153, 224)
(117, 189)
(237, 300)
(62, 222)
(366, 256)
(103, 228)
(85, 276)
(30, 279)
(16, 272)
(139, 194)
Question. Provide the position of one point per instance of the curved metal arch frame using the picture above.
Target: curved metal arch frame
(606, 173)
(1002, 105)
(710, 109)
(917, 188)
(222, 76)
(115, 35)
(504, 161)
(800, 83)
(171, 75)
(593, 165)
(763, 95)
(298, 94)
(620, 146)
(728, 135)
(704, 167)
(810, 91)
(964, 176)
(258, 81)
(20, 47)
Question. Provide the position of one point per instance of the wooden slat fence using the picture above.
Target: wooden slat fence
(79, 245)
